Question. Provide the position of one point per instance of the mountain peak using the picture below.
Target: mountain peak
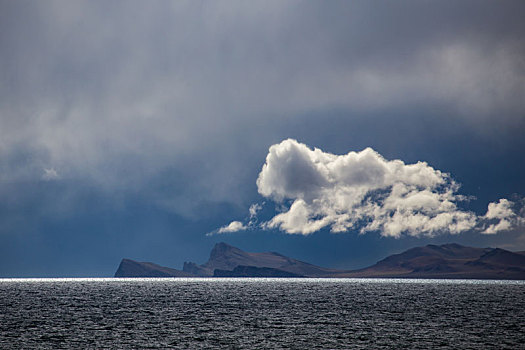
(452, 245)
(447, 246)
(220, 249)
(223, 245)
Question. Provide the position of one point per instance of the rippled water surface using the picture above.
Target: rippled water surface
(261, 313)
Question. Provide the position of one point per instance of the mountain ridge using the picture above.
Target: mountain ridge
(449, 260)
(226, 257)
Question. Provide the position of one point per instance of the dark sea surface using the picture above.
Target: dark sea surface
(259, 313)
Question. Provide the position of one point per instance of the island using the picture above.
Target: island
(431, 261)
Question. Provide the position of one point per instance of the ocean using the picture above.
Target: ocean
(261, 313)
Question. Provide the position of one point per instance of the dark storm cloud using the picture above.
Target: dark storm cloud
(145, 96)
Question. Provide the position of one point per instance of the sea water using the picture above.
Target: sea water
(260, 313)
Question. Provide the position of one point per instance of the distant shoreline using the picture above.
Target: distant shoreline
(447, 261)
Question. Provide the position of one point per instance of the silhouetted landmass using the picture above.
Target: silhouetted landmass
(252, 271)
(448, 261)
(226, 257)
(431, 261)
(130, 268)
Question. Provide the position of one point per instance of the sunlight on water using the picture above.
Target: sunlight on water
(263, 280)
(262, 313)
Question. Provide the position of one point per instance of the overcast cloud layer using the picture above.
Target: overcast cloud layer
(362, 191)
(157, 84)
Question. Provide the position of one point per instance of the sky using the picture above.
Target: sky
(332, 132)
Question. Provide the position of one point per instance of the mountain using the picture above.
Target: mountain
(131, 268)
(448, 261)
(226, 257)
(431, 261)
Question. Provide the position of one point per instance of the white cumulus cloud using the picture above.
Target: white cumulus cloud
(364, 191)
(502, 216)
(233, 226)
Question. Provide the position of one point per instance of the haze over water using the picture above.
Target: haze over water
(250, 313)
